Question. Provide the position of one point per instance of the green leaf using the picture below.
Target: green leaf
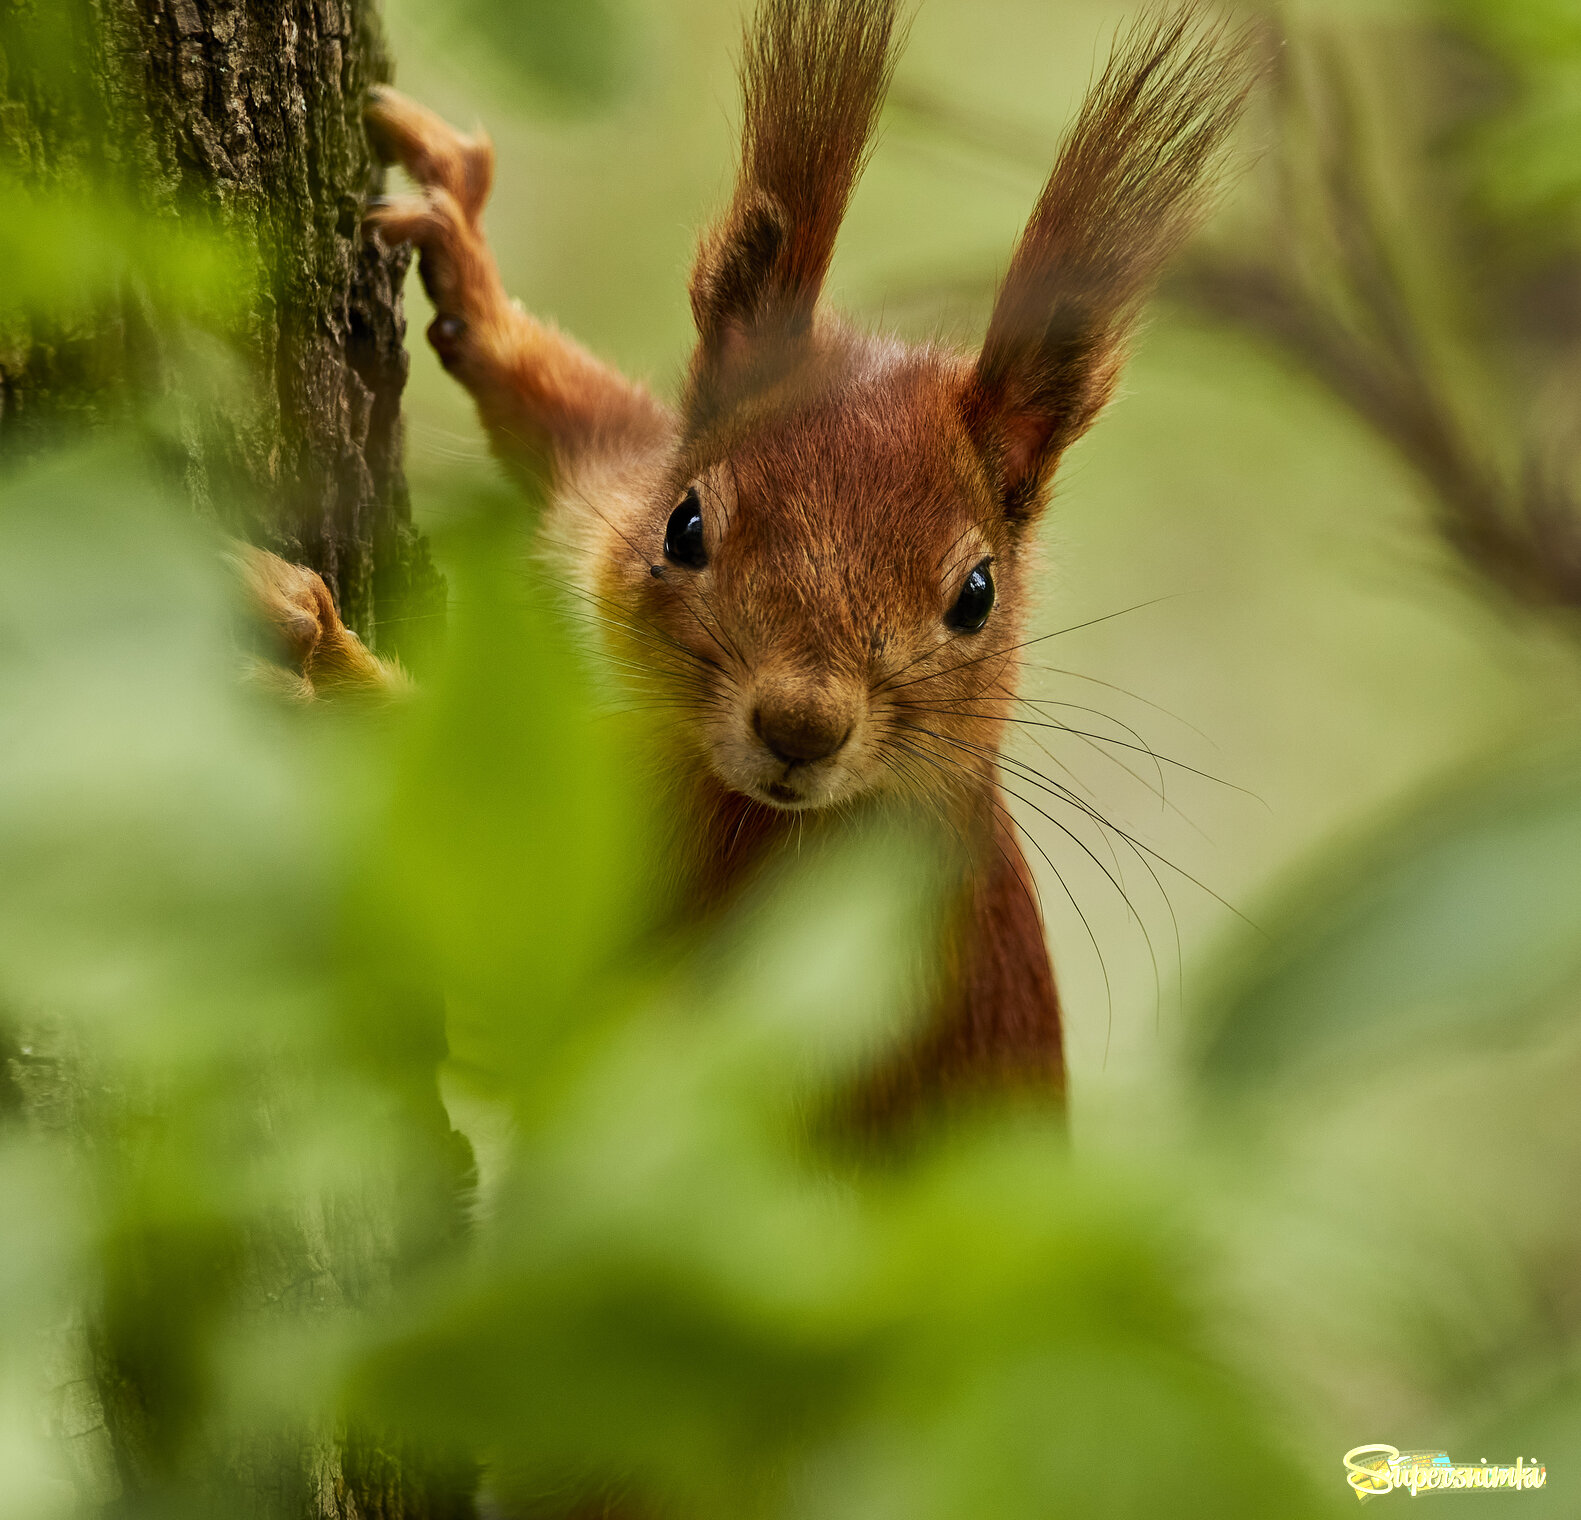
(1448, 924)
(517, 872)
(65, 254)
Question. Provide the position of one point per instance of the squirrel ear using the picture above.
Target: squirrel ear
(1133, 180)
(736, 300)
(813, 77)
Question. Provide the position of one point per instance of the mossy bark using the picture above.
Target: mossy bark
(244, 115)
(283, 423)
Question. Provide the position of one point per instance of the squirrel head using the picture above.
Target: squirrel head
(836, 559)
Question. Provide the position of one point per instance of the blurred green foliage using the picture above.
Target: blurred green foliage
(1527, 173)
(1454, 921)
(66, 253)
(572, 56)
(223, 923)
(239, 945)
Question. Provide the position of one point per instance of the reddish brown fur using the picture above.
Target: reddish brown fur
(1127, 190)
(325, 658)
(847, 484)
(542, 396)
(814, 75)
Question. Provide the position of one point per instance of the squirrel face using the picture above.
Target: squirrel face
(822, 555)
(835, 563)
(836, 548)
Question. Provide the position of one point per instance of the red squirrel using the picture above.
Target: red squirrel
(824, 553)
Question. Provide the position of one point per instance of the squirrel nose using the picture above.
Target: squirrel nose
(801, 734)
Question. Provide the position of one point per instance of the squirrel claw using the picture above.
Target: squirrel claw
(446, 334)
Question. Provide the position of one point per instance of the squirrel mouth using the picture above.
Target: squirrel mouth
(778, 791)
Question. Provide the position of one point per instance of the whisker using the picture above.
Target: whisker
(646, 562)
(1010, 819)
(622, 617)
(662, 655)
(1103, 966)
(1142, 781)
(1063, 796)
(1076, 675)
(1081, 733)
(1037, 706)
(1031, 776)
(1041, 639)
(956, 710)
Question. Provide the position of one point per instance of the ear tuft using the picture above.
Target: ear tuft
(1134, 178)
(731, 281)
(813, 79)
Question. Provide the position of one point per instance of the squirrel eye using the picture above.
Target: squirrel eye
(975, 602)
(683, 535)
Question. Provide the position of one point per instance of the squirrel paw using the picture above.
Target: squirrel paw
(453, 172)
(321, 656)
(431, 150)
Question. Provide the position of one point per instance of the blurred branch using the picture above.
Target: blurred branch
(1360, 334)
(1355, 327)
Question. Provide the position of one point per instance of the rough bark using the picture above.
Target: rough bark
(244, 115)
(135, 1442)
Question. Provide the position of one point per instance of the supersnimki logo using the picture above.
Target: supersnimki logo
(1376, 1470)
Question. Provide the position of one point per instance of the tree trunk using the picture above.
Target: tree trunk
(244, 115)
